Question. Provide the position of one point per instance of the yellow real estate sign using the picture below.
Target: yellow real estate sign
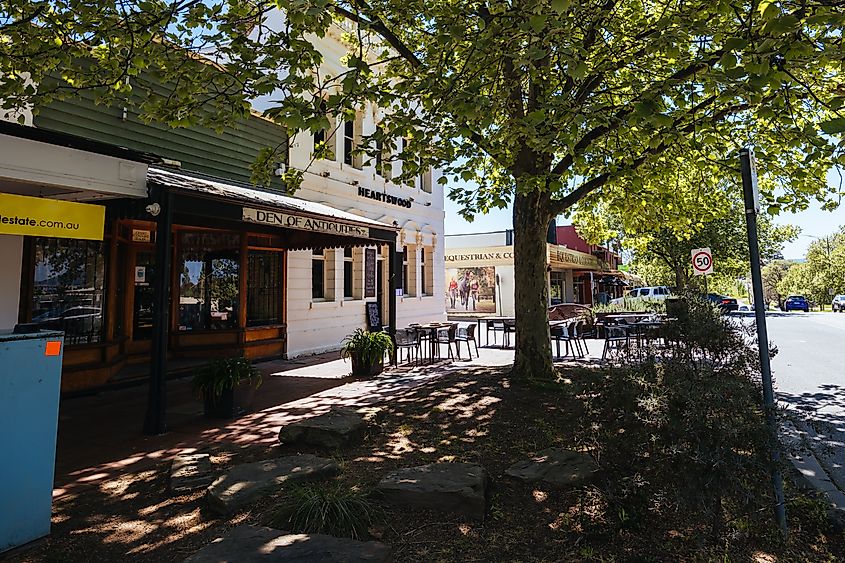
(35, 216)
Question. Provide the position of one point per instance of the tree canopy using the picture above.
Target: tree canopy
(821, 275)
(543, 103)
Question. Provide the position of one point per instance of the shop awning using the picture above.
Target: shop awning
(308, 224)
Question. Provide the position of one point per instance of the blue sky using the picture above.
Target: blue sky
(814, 222)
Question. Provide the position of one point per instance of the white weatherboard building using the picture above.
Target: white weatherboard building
(325, 290)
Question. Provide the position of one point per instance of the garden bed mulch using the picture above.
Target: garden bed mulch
(477, 415)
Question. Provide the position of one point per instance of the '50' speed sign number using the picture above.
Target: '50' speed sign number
(702, 261)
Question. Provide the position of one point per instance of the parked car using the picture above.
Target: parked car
(657, 292)
(796, 303)
(726, 304)
(838, 304)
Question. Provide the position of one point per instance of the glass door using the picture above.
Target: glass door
(143, 302)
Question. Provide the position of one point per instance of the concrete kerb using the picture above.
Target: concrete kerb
(810, 469)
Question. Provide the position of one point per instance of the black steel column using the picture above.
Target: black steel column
(751, 197)
(155, 422)
(391, 303)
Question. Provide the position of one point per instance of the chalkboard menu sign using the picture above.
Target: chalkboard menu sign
(373, 316)
(369, 272)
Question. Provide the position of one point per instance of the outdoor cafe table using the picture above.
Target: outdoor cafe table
(431, 329)
(487, 321)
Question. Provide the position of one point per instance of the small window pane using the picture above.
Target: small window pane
(318, 290)
(68, 288)
(347, 279)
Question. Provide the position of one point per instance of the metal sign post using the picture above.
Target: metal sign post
(752, 207)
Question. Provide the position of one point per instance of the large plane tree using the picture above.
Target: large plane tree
(541, 104)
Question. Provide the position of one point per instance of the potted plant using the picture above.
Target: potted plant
(367, 351)
(227, 386)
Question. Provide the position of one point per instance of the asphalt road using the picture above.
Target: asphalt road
(809, 375)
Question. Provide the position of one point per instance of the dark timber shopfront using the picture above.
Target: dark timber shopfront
(220, 267)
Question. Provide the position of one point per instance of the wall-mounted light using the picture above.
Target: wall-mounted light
(354, 182)
(325, 174)
(153, 209)
(280, 169)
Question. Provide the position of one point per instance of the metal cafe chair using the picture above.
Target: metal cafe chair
(581, 332)
(616, 338)
(408, 339)
(447, 335)
(560, 332)
(495, 326)
(509, 328)
(467, 334)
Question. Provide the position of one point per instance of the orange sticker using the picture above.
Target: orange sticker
(54, 348)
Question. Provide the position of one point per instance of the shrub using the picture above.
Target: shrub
(333, 508)
(631, 305)
(226, 373)
(683, 433)
(370, 347)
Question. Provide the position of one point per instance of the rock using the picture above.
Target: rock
(247, 544)
(244, 483)
(189, 472)
(561, 468)
(451, 487)
(334, 429)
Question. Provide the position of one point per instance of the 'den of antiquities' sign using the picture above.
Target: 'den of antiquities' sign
(303, 223)
(36, 216)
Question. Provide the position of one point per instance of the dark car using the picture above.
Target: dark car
(796, 303)
(726, 304)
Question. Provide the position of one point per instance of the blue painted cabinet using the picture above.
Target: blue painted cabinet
(30, 377)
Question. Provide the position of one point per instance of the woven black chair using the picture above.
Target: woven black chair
(448, 336)
(408, 339)
(467, 335)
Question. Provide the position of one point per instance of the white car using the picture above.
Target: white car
(657, 292)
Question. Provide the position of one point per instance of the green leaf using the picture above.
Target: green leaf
(833, 126)
(735, 43)
(537, 22)
(560, 6)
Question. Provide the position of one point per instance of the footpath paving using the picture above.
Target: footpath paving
(100, 435)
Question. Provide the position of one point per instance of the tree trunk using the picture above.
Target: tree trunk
(680, 276)
(533, 355)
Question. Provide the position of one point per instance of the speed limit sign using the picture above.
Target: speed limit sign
(702, 261)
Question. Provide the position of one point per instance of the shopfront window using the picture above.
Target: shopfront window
(209, 280)
(318, 274)
(264, 288)
(348, 276)
(557, 294)
(68, 288)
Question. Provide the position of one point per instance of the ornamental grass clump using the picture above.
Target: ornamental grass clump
(335, 509)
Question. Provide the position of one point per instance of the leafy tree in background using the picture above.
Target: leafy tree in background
(704, 209)
(823, 271)
(773, 273)
(542, 103)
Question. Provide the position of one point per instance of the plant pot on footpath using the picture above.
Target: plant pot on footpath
(227, 387)
(367, 350)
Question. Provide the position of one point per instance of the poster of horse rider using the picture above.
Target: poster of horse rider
(471, 290)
